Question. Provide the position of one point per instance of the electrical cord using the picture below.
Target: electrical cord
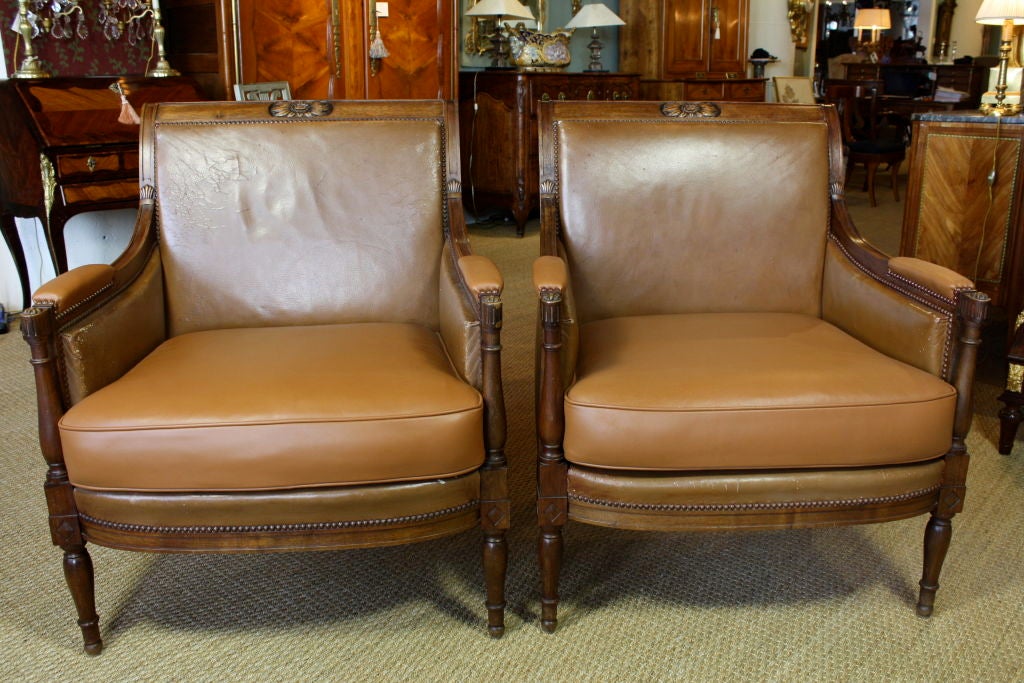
(990, 180)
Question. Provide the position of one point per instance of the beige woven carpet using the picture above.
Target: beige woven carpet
(823, 605)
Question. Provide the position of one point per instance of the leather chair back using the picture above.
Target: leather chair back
(232, 196)
(766, 249)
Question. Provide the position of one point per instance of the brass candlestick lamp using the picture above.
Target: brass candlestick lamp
(1005, 13)
(55, 17)
(126, 18)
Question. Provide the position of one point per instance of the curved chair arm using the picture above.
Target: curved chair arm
(74, 289)
(550, 274)
(480, 275)
(929, 277)
(904, 307)
(99, 320)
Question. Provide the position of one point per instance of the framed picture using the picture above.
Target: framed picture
(794, 90)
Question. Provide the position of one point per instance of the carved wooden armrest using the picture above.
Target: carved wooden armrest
(480, 275)
(550, 276)
(71, 291)
(929, 277)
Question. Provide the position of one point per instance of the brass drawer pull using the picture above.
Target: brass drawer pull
(91, 163)
(545, 97)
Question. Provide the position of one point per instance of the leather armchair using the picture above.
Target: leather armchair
(719, 349)
(297, 351)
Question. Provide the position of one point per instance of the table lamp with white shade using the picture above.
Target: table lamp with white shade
(594, 16)
(1005, 13)
(500, 9)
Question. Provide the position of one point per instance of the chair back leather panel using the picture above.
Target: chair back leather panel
(315, 220)
(635, 194)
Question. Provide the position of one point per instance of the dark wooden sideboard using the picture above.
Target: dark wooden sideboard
(498, 127)
(64, 152)
(967, 78)
(722, 89)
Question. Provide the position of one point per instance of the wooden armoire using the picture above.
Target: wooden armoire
(320, 47)
(688, 49)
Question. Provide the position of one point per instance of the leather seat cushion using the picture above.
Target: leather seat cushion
(277, 408)
(746, 391)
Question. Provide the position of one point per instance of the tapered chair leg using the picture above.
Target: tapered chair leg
(936, 543)
(870, 182)
(550, 551)
(78, 573)
(1010, 418)
(495, 568)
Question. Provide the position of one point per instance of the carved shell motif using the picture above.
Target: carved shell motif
(301, 108)
(691, 110)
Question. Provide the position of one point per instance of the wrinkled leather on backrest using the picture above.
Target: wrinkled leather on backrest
(682, 217)
(320, 220)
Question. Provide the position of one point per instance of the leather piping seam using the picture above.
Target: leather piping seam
(78, 304)
(743, 507)
(945, 313)
(917, 285)
(893, 285)
(282, 528)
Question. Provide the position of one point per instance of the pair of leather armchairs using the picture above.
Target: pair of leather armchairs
(298, 349)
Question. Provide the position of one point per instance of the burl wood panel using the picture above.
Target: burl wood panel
(287, 40)
(419, 66)
(961, 224)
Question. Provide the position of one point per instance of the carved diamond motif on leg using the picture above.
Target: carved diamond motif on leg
(553, 513)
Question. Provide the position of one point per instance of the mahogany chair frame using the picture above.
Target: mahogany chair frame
(965, 311)
(90, 288)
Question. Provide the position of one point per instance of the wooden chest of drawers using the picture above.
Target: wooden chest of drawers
(697, 89)
(498, 125)
(64, 152)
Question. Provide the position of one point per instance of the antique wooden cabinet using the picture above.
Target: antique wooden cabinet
(320, 47)
(954, 215)
(689, 49)
(63, 151)
(498, 128)
(669, 39)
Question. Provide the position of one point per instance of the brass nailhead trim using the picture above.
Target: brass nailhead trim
(727, 507)
(263, 528)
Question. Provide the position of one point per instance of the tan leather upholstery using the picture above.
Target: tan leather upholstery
(109, 342)
(298, 350)
(885, 317)
(650, 225)
(268, 402)
(304, 506)
(719, 349)
(640, 500)
(670, 392)
(232, 195)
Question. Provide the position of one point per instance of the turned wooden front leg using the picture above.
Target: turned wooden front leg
(972, 308)
(495, 504)
(552, 499)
